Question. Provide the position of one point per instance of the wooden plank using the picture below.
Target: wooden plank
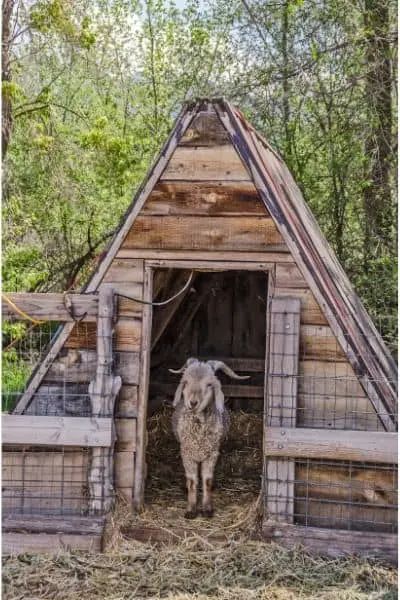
(191, 233)
(210, 266)
(141, 431)
(127, 401)
(125, 429)
(216, 199)
(230, 391)
(218, 163)
(53, 524)
(281, 401)
(53, 431)
(205, 130)
(207, 255)
(46, 481)
(124, 467)
(360, 446)
(14, 543)
(288, 275)
(324, 378)
(127, 333)
(334, 542)
(124, 270)
(311, 313)
(317, 342)
(52, 307)
(247, 365)
(84, 368)
(335, 412)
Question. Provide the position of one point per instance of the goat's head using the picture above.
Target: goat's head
(199, 387)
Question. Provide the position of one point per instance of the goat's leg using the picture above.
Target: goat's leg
(192, 477)
(207, 474)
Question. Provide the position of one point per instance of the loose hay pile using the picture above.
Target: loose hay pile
(192, 570)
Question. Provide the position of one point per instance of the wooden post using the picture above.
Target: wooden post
(103, 390)
(141, 435)
(283, 365)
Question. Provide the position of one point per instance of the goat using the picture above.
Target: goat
(200, 422)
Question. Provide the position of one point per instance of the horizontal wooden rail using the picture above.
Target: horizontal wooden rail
(361, 446)
(57, 431)
(51, 307)
(333, 542)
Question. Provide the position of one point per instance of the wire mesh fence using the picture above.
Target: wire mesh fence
(334, 494)
(53, 481)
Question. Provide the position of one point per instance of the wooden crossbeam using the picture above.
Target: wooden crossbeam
(50, 307)
(361, 446)
(57, 431)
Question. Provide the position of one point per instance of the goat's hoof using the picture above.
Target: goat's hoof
(190, 514)
(207, 512)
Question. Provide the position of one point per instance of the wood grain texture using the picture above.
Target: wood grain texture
(127, 334)
(204, 199)
(333, 543)
(317, 342)
(207, 255)
(288, 275)
(360, 446)
(14, 543)
(205, 164)
(225, 233)
(51, 431)
(324, 378)
(205, 130)
(335, 412)
(52, 307)
(311, 313)
(44, 481)
(127, 401)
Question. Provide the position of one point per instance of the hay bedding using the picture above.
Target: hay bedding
(197, 567)
(237, 476)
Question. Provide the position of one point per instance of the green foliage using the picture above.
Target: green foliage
(95, 89)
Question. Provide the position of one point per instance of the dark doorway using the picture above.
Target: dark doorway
(222, 315)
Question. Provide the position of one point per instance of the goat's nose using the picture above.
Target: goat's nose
(193, 403)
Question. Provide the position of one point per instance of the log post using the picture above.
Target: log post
(103, 390)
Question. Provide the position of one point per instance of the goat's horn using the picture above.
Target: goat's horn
(218, 365)
(187, 363)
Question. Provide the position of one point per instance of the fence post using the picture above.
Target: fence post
(103, 390)
(283, 368)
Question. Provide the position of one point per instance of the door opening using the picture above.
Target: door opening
(221, 316)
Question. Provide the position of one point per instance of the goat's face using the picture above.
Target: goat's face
(199, 387)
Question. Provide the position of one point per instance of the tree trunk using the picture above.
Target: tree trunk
(6, 77)
(378, 147)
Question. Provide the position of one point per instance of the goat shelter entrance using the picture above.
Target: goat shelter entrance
(220, 315)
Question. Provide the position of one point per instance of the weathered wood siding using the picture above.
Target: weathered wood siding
(205, 207)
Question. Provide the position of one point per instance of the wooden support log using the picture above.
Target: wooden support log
(103, 391)
(52, 307)
(359, 446)
(56, 431)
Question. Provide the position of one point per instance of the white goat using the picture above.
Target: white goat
(200, 423)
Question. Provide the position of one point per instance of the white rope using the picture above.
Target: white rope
(185, 287)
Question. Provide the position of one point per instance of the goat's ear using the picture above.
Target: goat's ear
(219, 397)
(178, 394)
